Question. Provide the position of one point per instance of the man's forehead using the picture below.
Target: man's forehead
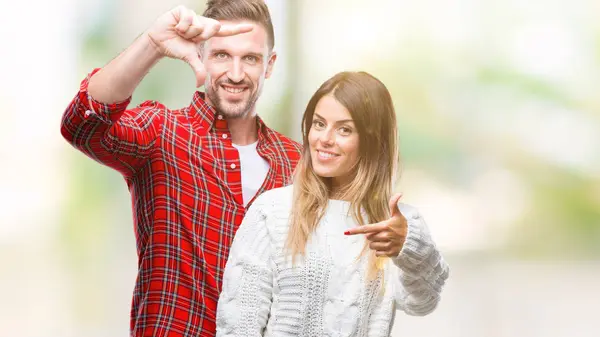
(255, 41)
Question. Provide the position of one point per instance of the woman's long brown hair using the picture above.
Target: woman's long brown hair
(370, 105)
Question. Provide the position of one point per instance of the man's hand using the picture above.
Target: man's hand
(387, 237)
(179, 32)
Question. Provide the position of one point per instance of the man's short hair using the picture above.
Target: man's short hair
(238, 10)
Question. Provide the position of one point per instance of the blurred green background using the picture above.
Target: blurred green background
(499, 121)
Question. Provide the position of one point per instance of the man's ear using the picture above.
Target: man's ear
(270, 63)
(201, 50)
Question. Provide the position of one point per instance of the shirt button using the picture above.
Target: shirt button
(219, 117)
(232, 166)
(88, 113)
(224, 136)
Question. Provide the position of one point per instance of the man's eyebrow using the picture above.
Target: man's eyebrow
(255, 54)
(217, 51)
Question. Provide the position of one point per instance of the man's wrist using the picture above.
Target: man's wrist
(151, 47)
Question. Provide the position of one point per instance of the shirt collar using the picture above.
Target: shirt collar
(213, 121)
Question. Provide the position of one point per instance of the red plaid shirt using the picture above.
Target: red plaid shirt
(185, 182)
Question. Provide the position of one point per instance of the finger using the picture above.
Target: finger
(228, 30)
(196, 28)
(380, 246)
(385, 253)
(374, 228)
(394, 211)
(198, 39)
(198, 67)
(211, 27)
(178, 12)
(378, 237)
(186, 18)
(202, 29)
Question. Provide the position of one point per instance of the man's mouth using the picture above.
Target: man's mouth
(232, 89)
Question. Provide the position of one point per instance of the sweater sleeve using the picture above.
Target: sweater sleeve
(245, 301)
(421, 270)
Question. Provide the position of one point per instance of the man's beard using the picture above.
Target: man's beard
(232, 110)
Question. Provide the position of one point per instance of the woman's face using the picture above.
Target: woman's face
(333, 140)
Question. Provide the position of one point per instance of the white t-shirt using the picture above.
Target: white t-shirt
(254, 170)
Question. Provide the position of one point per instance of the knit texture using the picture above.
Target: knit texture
(325, 293)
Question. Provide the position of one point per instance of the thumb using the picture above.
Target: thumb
(198, 67)
(394, 211)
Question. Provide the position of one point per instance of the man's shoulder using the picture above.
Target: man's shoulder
(285, 139)
(290, 146)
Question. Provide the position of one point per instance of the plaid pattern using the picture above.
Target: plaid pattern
(185, 181)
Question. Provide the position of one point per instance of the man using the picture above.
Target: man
(191, 172)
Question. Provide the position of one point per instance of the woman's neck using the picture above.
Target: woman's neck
(339, 193)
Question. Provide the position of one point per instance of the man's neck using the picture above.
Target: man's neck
(244, 130)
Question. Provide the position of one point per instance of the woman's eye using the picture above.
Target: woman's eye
(345, 130)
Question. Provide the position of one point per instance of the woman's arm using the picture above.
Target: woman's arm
(421, 270)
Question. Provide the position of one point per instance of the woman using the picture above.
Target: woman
(318, 258)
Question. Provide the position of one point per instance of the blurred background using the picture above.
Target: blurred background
(499, 117)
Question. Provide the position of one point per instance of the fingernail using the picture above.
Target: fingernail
(347, 233)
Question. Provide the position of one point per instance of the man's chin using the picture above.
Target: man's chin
(234, 110)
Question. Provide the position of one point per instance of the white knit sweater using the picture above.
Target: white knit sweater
(325, 293)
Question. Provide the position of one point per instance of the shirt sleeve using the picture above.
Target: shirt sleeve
(245, 301)
(421, 271)
(109, 133)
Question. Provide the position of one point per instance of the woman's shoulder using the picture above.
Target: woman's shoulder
(275, 204)
(276, 198)
(274, 207)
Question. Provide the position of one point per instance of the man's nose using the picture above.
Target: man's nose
(236, 71)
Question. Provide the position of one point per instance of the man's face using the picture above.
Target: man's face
(236, 67)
